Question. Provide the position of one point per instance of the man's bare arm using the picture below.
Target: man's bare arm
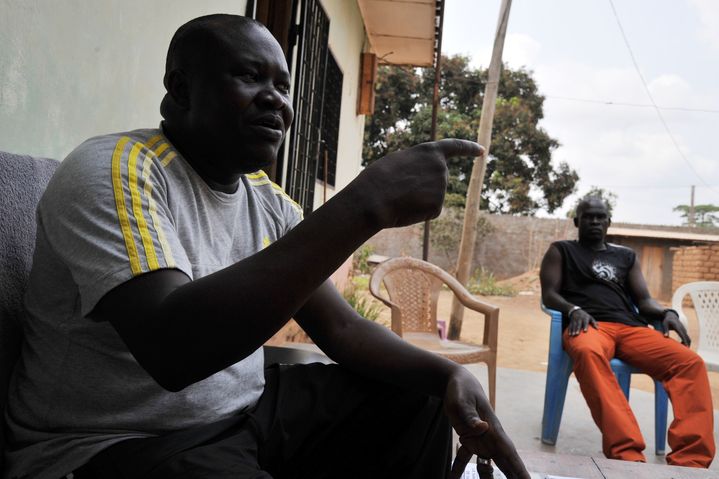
(374, 351)
(550, 277)
(650, 308)
(183, 331)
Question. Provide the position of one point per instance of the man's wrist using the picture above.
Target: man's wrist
(573, 310)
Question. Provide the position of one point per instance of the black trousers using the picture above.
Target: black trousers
(312, 421)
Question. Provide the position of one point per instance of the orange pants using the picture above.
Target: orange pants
(681, 370)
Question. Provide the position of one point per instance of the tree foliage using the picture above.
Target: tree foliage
(520, 177)
(609, 198)
(704, 215)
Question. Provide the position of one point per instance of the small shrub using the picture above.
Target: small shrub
(366, 307)
(483, 282)
(359, 260)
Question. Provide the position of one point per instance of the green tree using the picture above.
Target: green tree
(704, 215)
(520, 178)
(609, 198)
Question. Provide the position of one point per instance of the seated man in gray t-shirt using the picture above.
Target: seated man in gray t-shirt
(165, 258)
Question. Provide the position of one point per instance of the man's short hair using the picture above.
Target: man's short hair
(586, 201)
(201, 32)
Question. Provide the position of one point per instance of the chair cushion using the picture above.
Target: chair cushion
(22, 181)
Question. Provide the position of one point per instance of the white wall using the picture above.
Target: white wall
(346, 39)
(73, 69)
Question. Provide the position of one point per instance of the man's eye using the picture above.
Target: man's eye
(248, 77)
(283, 87)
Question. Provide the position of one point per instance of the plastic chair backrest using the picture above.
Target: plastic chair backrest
(705, 296)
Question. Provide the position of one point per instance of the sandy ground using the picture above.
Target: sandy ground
(524, 331)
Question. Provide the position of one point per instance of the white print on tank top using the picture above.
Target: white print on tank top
(604, 271)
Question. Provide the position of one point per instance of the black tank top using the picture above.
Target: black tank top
(597, 281)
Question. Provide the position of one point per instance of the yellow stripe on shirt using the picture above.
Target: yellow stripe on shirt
(121, 208)
(168, 158)
(256, 175)
(279, 191)
(139, 215)
(152, 140)
(152, 208)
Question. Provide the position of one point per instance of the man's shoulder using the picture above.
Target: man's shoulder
(563, 245)
(92, 162)
(260, 185)
(108, 143)
(620, 248)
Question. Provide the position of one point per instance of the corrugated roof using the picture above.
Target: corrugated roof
(647, 233)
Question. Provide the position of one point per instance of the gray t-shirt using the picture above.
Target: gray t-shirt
(119, 206)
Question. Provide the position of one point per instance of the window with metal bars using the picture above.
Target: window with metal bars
(309, 94)
(330, 122)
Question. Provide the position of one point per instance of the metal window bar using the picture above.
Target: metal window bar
(309, 87)
(330, 120)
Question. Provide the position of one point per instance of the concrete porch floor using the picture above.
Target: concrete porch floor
(520, 401)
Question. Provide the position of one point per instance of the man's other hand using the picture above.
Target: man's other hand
(670, 322)
(480, 432)
(408, 186)
(580, 322)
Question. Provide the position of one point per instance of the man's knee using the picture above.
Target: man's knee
(689, 363)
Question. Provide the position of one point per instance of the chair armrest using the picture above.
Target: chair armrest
(678, 300)
(374, 289)
(555, 329)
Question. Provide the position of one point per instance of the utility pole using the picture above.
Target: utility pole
(691, 217)
(435, 107)
(469, 228)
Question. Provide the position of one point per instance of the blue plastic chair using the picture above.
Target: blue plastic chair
(559, 368)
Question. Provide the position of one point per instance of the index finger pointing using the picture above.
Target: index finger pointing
(451, 147)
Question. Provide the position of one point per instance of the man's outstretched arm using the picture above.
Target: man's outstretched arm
(376, 352)
(550, 277)
(648, 307)
(186, 330)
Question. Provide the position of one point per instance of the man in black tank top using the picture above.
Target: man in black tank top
(605, 303)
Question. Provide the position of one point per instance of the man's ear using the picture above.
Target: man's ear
(177, 84)
(609, 221)
(576, 221)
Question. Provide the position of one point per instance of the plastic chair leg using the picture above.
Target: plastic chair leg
(661, 401)
(624, 379)
(554, 394)
(492, 379)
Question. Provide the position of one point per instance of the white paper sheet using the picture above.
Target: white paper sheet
(471, 473)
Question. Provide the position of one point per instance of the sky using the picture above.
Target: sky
(581, 62)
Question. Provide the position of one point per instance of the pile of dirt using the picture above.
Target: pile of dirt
(524, 283)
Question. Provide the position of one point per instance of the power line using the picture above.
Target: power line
(654, 103)
(655, 187)
(635, 105)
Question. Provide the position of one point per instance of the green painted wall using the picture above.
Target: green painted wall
(73, 69)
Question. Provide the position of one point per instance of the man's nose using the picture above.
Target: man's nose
(272, 98)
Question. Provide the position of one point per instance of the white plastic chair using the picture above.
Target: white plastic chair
(705, 296)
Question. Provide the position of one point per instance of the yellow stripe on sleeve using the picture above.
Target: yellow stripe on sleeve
(152, 208)
(152, 140)
(260, 182)
(281, 192)
(161, 149)
(147, 243)
(168, 158)
(256, 175)
(121, 208)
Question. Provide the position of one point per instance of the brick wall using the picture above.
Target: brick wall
(695, 263)
(516, 245)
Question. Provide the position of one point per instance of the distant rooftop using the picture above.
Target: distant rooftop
(664, 234)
